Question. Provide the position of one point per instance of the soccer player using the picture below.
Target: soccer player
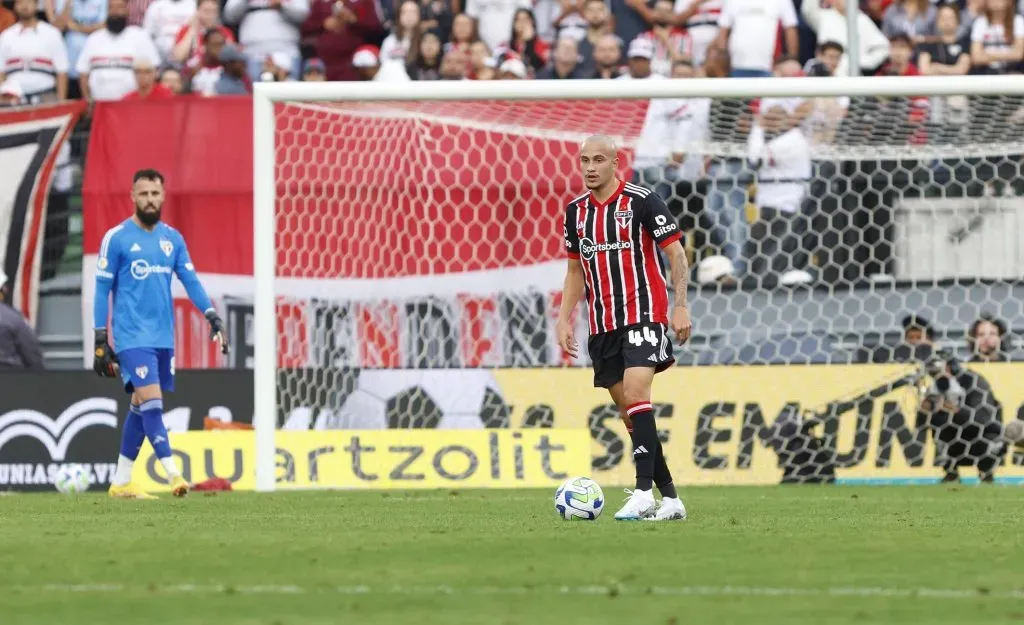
(613, 233)
(137, 258)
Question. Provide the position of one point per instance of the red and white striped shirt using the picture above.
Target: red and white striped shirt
(617, 241)
(32, 57)
(702, 26)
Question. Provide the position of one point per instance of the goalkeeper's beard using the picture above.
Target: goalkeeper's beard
(148, 218)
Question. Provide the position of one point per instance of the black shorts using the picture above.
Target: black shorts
(640, 345)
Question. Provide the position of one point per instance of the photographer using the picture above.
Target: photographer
(965, 418)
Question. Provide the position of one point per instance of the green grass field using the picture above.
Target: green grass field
(819, 555)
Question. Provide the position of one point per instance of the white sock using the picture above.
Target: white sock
(170, 466)
(123, 474)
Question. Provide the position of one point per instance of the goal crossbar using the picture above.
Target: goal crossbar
(265, 95)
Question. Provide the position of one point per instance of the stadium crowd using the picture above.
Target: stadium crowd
(158, 48)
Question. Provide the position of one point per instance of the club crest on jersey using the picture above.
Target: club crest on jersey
(142, 372)
(624, 217)
(166, 246)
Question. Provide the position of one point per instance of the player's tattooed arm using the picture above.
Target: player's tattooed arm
(680, 275)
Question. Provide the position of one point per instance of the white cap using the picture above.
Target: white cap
(514, 67)
(713, 268)
(794, 277)
(365, 56)
(282, 60)
(640, 48)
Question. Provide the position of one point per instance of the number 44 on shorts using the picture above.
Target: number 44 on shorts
(636, 337)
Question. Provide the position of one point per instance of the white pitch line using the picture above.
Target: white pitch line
(713, 591)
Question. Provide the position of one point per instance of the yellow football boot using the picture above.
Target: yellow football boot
(129, 491)
(179, 487)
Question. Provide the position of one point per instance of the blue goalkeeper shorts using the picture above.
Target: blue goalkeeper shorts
(143, 366)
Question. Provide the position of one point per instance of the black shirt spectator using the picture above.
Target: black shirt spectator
(564, 62)
(951, 54)
(19, 346)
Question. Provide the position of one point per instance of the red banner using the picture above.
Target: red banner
(377, 204)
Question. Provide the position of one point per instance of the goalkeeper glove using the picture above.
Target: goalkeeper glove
(217, 330)
(105, 362)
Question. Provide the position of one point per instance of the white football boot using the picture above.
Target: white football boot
(640, 505)
(671, 509)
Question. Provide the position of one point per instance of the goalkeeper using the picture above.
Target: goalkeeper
(137, 258)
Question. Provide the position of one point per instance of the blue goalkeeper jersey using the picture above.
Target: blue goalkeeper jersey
(136, 266)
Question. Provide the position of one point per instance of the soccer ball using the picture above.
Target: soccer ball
(579, 498)
(72, 479)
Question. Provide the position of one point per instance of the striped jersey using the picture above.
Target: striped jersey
(617, 242)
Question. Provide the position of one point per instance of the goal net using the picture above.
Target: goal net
(848, 239)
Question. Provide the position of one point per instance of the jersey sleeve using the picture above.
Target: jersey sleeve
(186, 272)
(658, 222)
(107, 266)
(572, 238)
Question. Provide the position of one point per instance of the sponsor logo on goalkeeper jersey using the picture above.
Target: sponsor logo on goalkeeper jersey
(382, 459)
(141, 269)
(588, 248)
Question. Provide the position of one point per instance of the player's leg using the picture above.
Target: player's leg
(156, 431)
(662, 475)
(133, 433)
(639, 412)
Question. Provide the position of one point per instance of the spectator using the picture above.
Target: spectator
(750, 28)
(901, 51)
(426, 62)
(339, 30)
(11, 94)
(514, 69)
(607, 57)
(525, 42)
(631, 17)
(148, 87)
(204, 72)
(19, 345)
(488, 71)
(565, 62)
(986, 340)
(234, 78)
(366, 61)
(671, 44)
(781, 156)
(638, 57)
(598, 25)
(436, 15)
(171, 78)
(493, 19)
(314, 70)
(917, 331)
(480, 58)
(106, 64)
(464, 34)
(188, 43)
(164, 20)
(405, 38)
(7, 18)
(827, 55)
(672, 127)
(568, 23)
(33, 56)
(454, 65)
(997, 39)
(914, 18)
(830, 24)
(948, 55)
(277, 67)
(700, 19)
(77, 19)
(268, 26)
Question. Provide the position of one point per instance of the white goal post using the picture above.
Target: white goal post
(266, 96)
